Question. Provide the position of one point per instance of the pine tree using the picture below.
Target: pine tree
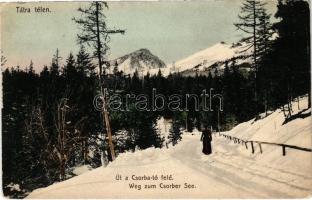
(31, 68)
(70, 68)
(45, 72)
(55, 67)
(264, 34)
(251, 13)
(3, 59)
(84, 64)
(285, 69)
(96, 34)
(294, 44)
(175, 133)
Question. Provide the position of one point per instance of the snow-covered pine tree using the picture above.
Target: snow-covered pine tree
(175, 133)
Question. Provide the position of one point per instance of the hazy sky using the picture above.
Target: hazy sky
(171, 30)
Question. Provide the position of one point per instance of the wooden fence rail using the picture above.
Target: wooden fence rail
(252, 143)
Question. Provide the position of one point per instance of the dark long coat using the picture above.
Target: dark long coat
(206, 138)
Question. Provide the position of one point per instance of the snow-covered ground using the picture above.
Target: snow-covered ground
(231, 171)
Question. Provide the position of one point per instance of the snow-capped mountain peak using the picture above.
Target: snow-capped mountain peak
(141, 60)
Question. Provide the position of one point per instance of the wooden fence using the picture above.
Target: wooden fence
(259, 143)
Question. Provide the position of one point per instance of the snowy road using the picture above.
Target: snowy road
(230, 172)
(237, 168)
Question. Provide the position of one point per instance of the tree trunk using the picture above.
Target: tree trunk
(62, 168)
(186, 122)
(104, 112)
(309, 98)
(110, 138)
(266, 108)
(289, 108)
(255, 56)
(283, 108)
(84, 151)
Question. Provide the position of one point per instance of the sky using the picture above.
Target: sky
(172, 30)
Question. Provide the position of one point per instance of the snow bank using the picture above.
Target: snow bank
(81, 169)
(271, 129)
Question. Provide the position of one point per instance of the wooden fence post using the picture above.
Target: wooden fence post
(252, 147)
(260, 147)
(284, 150)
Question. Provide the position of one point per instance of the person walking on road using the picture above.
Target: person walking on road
(206, 138)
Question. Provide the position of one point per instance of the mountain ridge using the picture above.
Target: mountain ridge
(139, 60)
(202, 62)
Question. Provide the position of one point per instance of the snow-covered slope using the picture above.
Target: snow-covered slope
(141, 60)
(231, 171)
(212, 57)
(207, 57)
(272, 128)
